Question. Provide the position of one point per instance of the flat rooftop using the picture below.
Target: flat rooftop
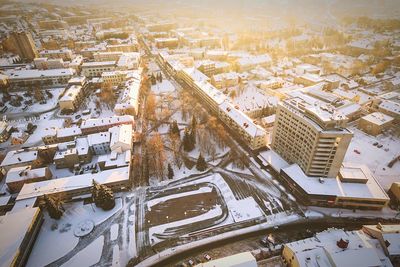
(71, 183)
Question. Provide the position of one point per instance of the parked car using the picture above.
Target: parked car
(191, 262)
(207, 257)
(357, 152)
(379, 146)
(77, 116)
(375, 144)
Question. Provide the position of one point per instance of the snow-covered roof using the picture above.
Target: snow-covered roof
(273, 159)
(23, 173)
(335, 187)
(121, 134)
(241, 119)
(378, 118)
(211, 92)
(254, 60)
(13, 228)
(16, 157)
(195, 74)
(69, 132)
(390, 106)
(323, 250)
(98, 64)
(34, 73)
(71, 93)
(91, 123)
(76, 182)
(98, 138)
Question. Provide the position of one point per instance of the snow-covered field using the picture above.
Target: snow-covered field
(48, 247)
(164, 87)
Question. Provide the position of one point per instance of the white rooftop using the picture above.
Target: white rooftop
(378, 118)
(66, 184)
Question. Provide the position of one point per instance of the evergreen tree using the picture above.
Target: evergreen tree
(102, 196)
(54, 207)
(201, 163)
(187, 141)
(170, 172)
(106, 197)
(174, 129)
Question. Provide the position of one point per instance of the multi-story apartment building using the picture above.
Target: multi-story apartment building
(93, 69)
(72, 98)
(20, 79)
(311, 134)
(107, 56)
(65, 54)
(22, 44)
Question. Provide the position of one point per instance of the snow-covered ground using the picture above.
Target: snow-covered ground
(376, 158)
(36, 106)
(87, 256)
(45, 251)
(164, 87)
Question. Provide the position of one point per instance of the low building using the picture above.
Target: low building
(391, 108)
(67, 158)
(114, 160)
(65, 54)
(43, 63)
(308, 79)
(375, 123)
(389, 239)
(121, 138)
(69, 188)
(18, 158)
(17, 177)
(354, 188)
(19, 230)
(18, 138)
(71, 99)
(335, 247)
(99, 143)
(103, 124)
(166, 42)
(44, 78)
(95, 69)
(107, 56)
(68, 134)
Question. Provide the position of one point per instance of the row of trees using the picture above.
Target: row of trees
(102, 196)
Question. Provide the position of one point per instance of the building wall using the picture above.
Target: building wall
(300, 141)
